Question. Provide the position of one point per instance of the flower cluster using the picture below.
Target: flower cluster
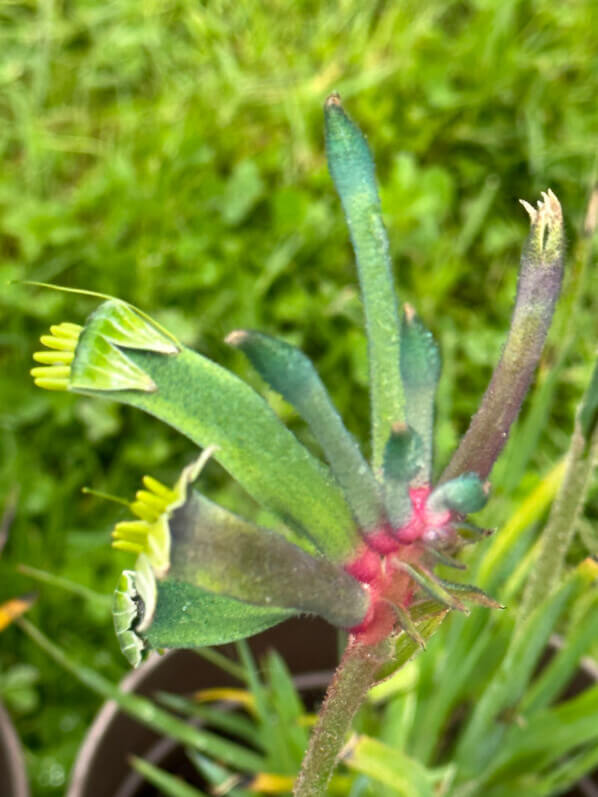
(354, 541)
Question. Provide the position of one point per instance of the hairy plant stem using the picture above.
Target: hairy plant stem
(355, 674)
(560, 528)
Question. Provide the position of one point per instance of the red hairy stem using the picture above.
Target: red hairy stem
(355, 674)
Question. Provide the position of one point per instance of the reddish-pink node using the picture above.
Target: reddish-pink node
(366, 566)
(378, 623)
(422, 519)
(383, 542)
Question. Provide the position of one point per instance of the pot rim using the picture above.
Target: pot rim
(15, 760)
(102, 721)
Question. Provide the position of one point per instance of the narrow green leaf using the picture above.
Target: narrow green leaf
(169, 785)
(408, 625)
(553, 679)
(433, 586)
(530, 510)
(220, 778)
(513, 675)
(427, 616)
(390, 766)
(557, 536)
(288, 371)
(147, 712)
(420, 371)
(231, 723)
(352, 169)
(546, 739)
(444, 559)
(470, 593)
(218, 551)
(588, 413)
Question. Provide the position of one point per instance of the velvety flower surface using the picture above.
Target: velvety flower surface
(356, 541)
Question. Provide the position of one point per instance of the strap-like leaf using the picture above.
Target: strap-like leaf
(219, 551)
(288, 371)
(352, 169)
(213, 407)
(420, 371)
(588, 411)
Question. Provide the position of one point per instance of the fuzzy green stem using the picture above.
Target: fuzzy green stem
(556, 537)
(355, 674)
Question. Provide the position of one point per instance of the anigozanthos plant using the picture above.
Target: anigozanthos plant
(357, 542)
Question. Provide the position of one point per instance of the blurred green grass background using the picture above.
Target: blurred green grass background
(171, 153)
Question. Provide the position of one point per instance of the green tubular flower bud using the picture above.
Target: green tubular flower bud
(121, 354)
(220, 552)
(539, 285)
(404, 459)
(463, 495)
(420, 371)
(150, 614)
(189, 539)
(352, 169)
(292, 374)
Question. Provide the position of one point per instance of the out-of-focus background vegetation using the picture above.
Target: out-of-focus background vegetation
(170, 152)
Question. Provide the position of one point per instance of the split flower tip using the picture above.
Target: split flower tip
(237, 337)
(410, 313)
(546, 222)
(152, 507)
(333, 100)
(549, 207)
(101, 359)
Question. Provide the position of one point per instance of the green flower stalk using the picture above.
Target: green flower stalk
(355, 542)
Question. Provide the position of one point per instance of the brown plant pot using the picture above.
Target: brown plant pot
(13, 780)
(308, 646)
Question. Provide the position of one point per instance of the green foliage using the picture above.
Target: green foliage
(125, 169)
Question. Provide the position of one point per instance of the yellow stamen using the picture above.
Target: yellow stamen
(52, 384)
(158, 488)
(152, 501)
(135, 527)
(66, 330)
(128, 534)
(125, 545)
(54, 357)
(144, 511)
(61, 344)
(51, 372)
